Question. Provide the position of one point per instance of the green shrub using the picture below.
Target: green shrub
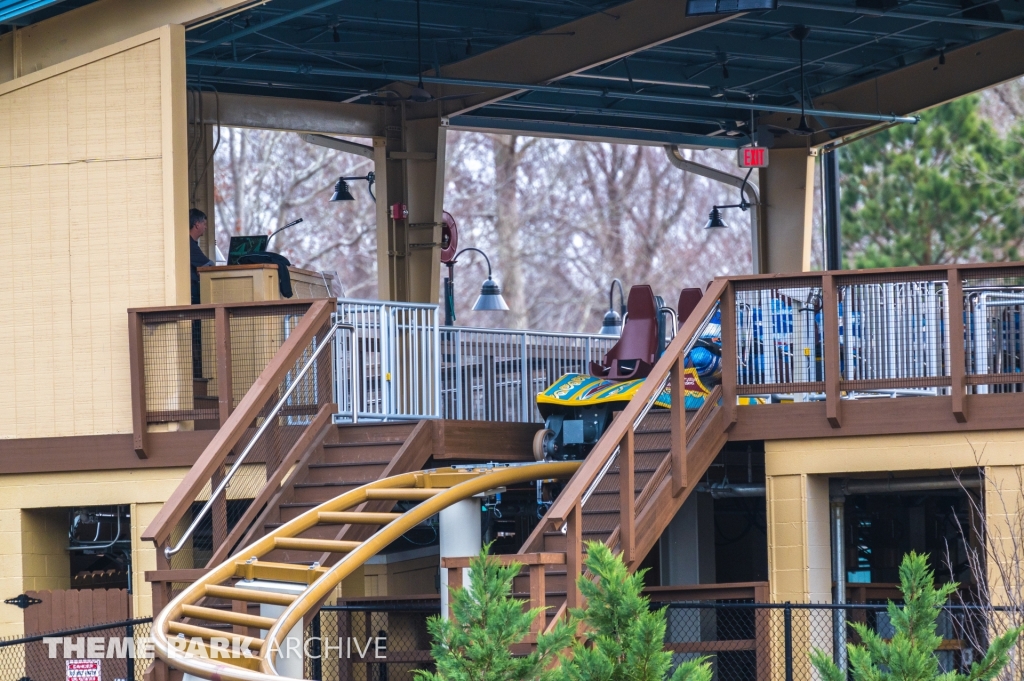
(486, 622)
(910, 654)
(625, 638)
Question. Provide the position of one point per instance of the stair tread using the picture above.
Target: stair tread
(332, 483)
(349, 464)
(368, 443)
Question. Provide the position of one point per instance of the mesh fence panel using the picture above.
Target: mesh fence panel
(314, 390)
(29, 658)
(180, 358)
(754, 641)
(994, 338)
(377, 643)
(779, 336)
(893, 331)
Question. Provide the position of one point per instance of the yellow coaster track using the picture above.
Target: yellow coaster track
(434, 489)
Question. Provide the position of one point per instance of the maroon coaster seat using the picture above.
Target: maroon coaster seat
(689, 298)
(634, 355)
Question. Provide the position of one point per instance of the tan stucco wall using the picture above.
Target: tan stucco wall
(32, 508)
(797, 472)
(93, 213)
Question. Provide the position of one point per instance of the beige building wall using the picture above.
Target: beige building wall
(45, 562)
(33, 528)
(93, 206)
(798, 539)
(797, 473)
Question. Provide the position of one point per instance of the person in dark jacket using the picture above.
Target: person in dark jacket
(196, 229)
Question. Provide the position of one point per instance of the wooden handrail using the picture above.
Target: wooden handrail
(938, 270)
(213, 457)
(616, 432)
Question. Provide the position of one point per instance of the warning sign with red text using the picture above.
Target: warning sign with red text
(83, 670)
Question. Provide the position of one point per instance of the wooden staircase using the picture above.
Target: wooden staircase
(345, 458)
(642, 470)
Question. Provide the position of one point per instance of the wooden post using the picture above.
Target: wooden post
(222, 336)
(218, 511)
(573, 556)
(678, 419)
(538, 596)
(762, 635)
(727, 307)
(627, 494)
(137, 365)
(830, 322)
(957, 356)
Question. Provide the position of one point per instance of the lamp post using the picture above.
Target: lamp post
(612, 324)
(490, 293)
(342, 193)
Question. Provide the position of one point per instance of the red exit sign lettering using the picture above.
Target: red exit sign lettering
(753, 157)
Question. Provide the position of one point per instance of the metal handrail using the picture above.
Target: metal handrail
(170, 551)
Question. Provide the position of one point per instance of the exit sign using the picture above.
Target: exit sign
(753, 157)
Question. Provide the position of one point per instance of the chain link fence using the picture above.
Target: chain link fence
(748, 641)
(117, 649)
(370, 641)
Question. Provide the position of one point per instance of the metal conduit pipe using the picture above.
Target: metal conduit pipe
(731, 491)
(675, 157)
(837, 512)
(881, 486)
(842, 488)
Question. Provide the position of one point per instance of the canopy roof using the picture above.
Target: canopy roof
(639, 71)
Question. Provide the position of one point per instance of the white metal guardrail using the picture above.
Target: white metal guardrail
(495, 374)
(409, 367)
(397, 357)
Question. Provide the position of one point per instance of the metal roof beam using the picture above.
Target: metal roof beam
(582, 44)
(587, 132)
(924, 85)
(303, 69)
(260, 27)
(293, 115)
(938, 19)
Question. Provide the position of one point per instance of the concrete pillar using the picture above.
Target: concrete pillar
(290, 658)
(799, 565)
(409, 166)
(688, 544)
(787, 211)
(460, 535)
(1004, 519)
(688, 557)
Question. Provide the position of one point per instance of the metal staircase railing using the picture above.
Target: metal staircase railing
(225, 503)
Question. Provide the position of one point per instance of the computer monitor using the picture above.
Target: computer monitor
(246, 245)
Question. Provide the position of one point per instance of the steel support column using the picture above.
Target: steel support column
(409, 165)
(787, 200)
(830, 197)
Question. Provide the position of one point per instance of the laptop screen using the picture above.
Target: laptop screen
(246, 245)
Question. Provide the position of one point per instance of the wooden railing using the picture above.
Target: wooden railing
(536, 566)
(618, 443)
(191, 365)
(288, 434)
(938, 337)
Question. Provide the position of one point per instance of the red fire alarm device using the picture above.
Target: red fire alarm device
(753, 157)
(399, 211)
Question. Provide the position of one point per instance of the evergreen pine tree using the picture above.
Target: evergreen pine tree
(625, 637)
(474, 645)
(910, 654)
